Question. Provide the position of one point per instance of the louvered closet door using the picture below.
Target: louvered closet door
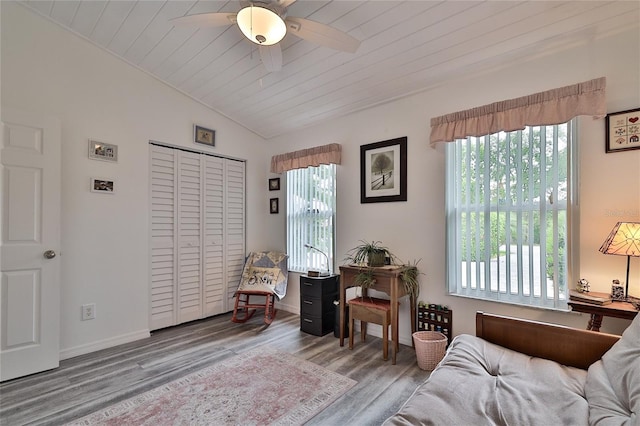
(163, 237)
(234, 209)
(213, 214)
(189, 241)
(197, 235)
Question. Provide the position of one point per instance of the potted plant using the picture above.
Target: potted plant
(409, 276)
(365, 278)
(369, 254)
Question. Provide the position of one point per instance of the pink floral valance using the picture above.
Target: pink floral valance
(545, 108)
(326, 154)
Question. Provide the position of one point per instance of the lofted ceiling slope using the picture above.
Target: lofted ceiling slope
(407, 47)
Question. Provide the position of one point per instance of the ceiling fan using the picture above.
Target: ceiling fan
(265, 23)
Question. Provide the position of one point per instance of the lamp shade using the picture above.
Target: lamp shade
(624, 240)
(261, 25)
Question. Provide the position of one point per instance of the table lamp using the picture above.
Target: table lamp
(322, 274)
(624, 240)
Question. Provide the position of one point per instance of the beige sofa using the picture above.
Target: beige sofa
(519, 372)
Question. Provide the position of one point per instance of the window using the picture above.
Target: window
(508, 215)
(311, 205)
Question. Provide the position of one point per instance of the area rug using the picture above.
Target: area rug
(259, 387)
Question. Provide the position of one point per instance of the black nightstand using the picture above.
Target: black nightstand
(317, 311)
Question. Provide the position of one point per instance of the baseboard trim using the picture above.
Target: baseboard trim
(289, 308)
(103, 344)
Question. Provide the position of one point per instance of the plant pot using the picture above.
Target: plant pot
(376, 258)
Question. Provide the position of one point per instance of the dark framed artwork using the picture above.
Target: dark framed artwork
(622, 131)
(274, 184)
(383, 171)
(204, 136)
(273, 206)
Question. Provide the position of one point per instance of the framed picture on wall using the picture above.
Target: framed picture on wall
(103, 186)
(204, 136)
(103, 151)
(622, 131)
(274, 184)
(273, 206)
(383, 171)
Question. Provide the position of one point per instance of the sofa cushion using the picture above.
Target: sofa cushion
(613, 383)
(480, 380)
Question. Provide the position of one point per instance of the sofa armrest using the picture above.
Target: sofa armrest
(566, 345)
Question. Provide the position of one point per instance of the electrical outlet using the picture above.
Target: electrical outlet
(88, 311)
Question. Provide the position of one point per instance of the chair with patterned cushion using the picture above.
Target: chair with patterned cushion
(264, 277)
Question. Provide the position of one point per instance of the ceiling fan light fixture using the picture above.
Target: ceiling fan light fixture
(261, 25)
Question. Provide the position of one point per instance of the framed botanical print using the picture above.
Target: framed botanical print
(383, 171)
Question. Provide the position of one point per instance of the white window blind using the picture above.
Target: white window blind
(508, 199)
(311, 202)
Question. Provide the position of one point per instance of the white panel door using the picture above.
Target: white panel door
(30, 295)
(163, 237)
(213, 237)
(234, 212)
(189, 236)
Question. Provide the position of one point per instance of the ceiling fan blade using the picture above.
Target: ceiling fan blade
(212, 19)
(285, 3)
(271, 57)
(322, 34)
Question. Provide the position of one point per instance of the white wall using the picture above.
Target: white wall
(105, 246)
(610, 186)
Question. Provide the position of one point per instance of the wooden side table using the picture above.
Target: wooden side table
(388, 281)
(623, 310)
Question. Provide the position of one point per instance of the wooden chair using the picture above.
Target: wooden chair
(371, 309)
(264, 276)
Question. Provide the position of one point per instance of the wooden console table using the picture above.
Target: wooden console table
(387, 281)
(614, 309)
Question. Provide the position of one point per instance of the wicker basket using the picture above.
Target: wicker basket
(430, 348)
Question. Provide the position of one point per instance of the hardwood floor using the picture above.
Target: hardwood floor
(91, 382)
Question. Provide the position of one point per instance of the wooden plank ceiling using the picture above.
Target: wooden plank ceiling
(407, 46)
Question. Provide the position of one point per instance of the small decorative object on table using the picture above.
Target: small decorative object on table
(617, 290)
(583, 286)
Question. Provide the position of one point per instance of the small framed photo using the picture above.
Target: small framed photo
(103, 151)
(622, 131)
(383, 171)
(104, 186)
(273, 206)
(274, 184)
(204, 136)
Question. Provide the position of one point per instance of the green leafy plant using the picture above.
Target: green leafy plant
(365, 278)
(409, 276)
(370, 254)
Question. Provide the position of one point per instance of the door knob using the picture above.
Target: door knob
(49, 254)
